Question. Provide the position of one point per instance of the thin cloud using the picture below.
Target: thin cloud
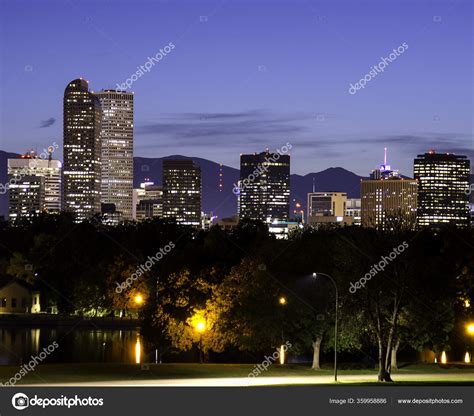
(47, 123)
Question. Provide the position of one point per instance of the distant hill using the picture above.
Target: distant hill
(223, 202)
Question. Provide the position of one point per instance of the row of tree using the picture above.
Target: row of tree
(254, 292)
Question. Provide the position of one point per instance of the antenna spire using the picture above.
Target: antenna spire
(385, 156)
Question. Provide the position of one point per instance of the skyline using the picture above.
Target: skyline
(223, 91)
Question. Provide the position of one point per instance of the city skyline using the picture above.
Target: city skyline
(266, 89)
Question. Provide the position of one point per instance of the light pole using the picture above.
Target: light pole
(200, 327)
(315, 275)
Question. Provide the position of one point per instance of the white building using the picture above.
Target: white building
(34, 186)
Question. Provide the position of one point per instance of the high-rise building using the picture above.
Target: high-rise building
(182, 191)
(264, 186)
(149, 201)
(442, 183)
(387, 197)
(82, 150)
(34, 185)
(327, 207)
(116, 138)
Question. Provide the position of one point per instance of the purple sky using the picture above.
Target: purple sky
(245, 75)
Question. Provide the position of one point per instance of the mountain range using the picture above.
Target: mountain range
(221, 201)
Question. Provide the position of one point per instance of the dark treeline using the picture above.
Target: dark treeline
(399, 290)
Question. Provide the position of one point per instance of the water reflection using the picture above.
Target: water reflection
(17, 345)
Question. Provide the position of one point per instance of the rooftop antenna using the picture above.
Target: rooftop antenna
(314, 189)
(385, 156)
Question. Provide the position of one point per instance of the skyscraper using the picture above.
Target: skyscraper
(182, 192)
(264, 186)
(386, 197)
(34, 186)
(149, 201)
(116, 138)
(442, 183)
(82, 150)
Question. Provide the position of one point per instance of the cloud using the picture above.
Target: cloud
(47, 123)
(235, 129)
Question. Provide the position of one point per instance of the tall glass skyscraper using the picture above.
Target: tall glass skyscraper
(265, 186)
(82, 150)
(443, 180)
(182, 192)
(117, 150)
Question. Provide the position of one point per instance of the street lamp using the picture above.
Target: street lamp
(282, 300)
(138, 299)
(470, 331)
(315, 275)
(200, 328)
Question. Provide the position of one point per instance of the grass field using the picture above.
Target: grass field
(231, 374)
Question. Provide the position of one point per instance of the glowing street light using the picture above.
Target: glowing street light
(282, 300)
(200, 327)
(138, 299)
(444, 358)
(470, 328)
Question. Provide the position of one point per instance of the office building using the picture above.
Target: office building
(264, 188)
(116, 138)
(149, 201)
(34, 185)
(327, 207)
(82, 150)
(353, 209)
(182, 192)
(442, 183)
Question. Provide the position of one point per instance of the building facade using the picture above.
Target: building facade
(149, 201)
(116, 138)
(182, 192)
(34, 186)
(442, 183)
(383, 200)
(264, 187)
(353, 209)
(82, 150)
(328, 207)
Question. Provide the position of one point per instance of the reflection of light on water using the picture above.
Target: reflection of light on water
(138, 351)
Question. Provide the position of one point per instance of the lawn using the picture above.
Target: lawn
(287, 374)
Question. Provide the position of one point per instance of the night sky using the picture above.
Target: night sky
(245, 75)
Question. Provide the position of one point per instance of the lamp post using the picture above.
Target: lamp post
(200, 327)
(470, 331)
(315, 275)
